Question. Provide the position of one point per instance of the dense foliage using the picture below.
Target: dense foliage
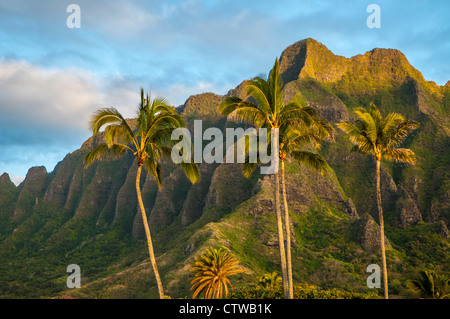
(300, 292)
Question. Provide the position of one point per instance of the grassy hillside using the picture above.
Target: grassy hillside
(89, 217)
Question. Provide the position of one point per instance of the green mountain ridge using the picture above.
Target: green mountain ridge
(89, 216)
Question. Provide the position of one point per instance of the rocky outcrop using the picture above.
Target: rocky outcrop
(195, 201)
(310, 59)
(8, 198)
(368, 233)
(58, 188)
(204, 106)
(169, 200)
(406, 208)
(32, 190)
(440, 207)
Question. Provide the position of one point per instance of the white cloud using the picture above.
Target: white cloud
(54, 98)
(44, 113)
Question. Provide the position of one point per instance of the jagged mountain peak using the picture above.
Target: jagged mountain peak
(5, 178)
(36, 172)
(309, 58)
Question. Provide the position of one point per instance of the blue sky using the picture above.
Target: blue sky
(52, 77)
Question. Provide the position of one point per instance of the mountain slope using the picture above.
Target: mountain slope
(89, 216)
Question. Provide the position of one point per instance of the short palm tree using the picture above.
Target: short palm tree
(269, 279)
(430, 285)
(213, 268)
(264, 108)
(149, 141)
(373, 134)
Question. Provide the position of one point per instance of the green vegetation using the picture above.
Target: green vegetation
(300, 292)
(91, 216)
(430, 284)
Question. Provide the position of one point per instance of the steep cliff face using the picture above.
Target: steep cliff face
(32, 189)
(8, 198)
(334, 85)
(75, 209)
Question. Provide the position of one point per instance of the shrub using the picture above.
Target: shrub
(300, 292)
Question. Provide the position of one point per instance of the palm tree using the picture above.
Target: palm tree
(269, 280)
(430, 285)
(264, 108)
(373, 134)
(296, 140)
(213, 268)
(149, 141)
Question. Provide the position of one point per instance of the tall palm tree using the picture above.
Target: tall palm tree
(373, 134)
(430, 285)
(149, 141)
(296, 139)
(213, 268)
(264, 108)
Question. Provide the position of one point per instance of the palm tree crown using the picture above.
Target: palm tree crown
(212, 269)
(267, 109)
(380, 136)
(149, 141)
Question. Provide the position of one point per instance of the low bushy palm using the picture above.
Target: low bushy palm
(430, 285)
(213, 268)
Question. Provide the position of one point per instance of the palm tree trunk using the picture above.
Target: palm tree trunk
(383, 251)
(147, 233)
(288, 234)
(278, 216)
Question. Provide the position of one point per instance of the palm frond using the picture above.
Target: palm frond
(248, 114)
(108, 116)
(404, 155)
(191, 171)
(300, 138)
(116, 133)
(399, 133)
(230, 104)
(104, 151)
(371, 129)
(375, 113)
(260, 91)
(154, 169)
(391, 122)
(276, 86)
(297, 112)
(311, 159)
